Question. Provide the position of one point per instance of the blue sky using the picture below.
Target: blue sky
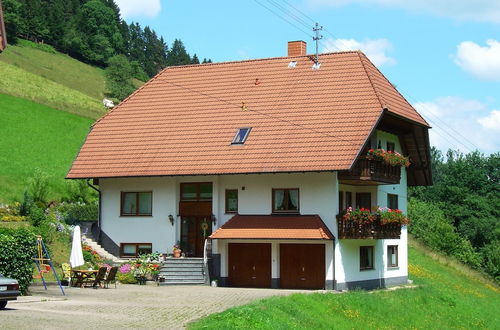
(444, 56)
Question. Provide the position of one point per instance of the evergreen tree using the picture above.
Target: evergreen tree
(195, 60)
(178, 54)
(12, 19)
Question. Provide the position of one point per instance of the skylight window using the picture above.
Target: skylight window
(241, 135)
(292, 64)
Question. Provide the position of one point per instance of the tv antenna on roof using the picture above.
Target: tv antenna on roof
(317, 37)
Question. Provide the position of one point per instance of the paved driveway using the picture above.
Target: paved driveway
(129, 306)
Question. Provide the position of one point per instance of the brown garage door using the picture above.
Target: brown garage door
(249, 265)
(302, 266)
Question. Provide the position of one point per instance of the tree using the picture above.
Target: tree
(118, 75)
(12, 19)
(195, 60)
(178, 54)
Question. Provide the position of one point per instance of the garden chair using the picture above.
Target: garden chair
(100, 277)
(111, 277)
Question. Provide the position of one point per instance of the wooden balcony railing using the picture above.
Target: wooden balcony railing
(374, 230)
(371, 171)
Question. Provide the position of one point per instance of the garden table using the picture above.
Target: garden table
(83, 276)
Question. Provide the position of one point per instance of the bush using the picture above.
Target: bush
(126, 278)
(79, 212)
(26, 205)
(36, 216)
(17, 248)
(429, 225)
(79, 191)
(38, 187)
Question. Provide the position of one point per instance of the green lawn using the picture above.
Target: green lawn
(36, 136)
(445, 298)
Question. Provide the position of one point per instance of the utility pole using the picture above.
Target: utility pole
(317, 37)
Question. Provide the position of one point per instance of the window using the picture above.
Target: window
(341, 201)
(135, 249)
(241, 135)
(231, 200)
(136, 203)
(392, 201)
(365, 257)
(348, 199)
(286, 200)
(196, 191)
(364, 200)
(392, 256)
(391, 146)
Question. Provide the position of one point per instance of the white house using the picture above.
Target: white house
(261, 156)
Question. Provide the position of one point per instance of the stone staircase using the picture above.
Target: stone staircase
(88, 239)
(182, 271)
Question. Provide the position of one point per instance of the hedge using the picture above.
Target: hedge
(17, 249)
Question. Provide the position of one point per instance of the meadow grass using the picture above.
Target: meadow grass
(444, 298)
(18, 82)
(36, 136)
(57, 67)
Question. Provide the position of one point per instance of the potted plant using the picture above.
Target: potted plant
(177, 250)
(359, 216)
(392, 216)
(389, 157)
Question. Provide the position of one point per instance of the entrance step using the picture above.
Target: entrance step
(182, 271)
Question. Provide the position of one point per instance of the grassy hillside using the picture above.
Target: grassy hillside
(36, 136)
(445, 297)
(57, 67)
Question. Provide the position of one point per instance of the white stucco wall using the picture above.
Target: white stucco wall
(318, 194)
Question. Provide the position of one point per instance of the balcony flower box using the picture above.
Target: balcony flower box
(363, 224)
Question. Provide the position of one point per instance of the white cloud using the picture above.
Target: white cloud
(492, 121)
(467, 10)
(459, 123)
(482, 62)
(375, 49)
(133, 8)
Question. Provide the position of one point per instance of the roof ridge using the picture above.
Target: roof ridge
(392, 86)
(258, 59)
(368, 74)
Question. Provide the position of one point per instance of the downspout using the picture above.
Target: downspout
(98, 238)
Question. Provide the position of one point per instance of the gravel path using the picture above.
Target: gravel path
(128, 306)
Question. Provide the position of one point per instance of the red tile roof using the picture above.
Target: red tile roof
(274, 227)
(182, 121)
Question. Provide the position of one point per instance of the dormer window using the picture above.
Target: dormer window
(241, 135)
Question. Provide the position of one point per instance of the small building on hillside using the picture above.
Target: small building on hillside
(3, 33)
(281, 163)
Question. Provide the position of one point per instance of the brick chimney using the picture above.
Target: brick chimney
(297, 48)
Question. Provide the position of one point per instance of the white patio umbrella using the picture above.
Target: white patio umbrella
(76, 257)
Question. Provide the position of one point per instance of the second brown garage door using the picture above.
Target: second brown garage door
(249, 265)
(302, 266)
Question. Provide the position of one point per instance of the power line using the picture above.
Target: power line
(286, 20)
(299, 20)
(435, 118)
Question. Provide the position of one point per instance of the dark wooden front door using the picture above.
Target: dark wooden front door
(194, 231)
(195, 209)
(249, 265)
(302, 266)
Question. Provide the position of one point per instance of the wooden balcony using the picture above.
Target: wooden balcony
(370, 172)
(374, 230)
